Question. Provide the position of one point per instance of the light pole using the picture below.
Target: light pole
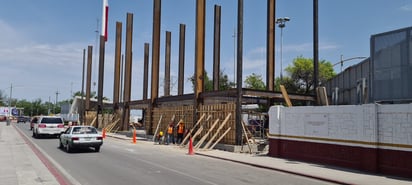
(11, 91)
(344, 60)
(281, 23)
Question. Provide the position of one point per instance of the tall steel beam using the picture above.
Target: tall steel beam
(145, 70)
(101, 77)
(156, 49)
(239, 72)
(157, 10)
(199, 55)
(167, 64)
(199, 48)
(315, 46)
(216, 48)
(117, 66)
(89, 76)
(270, 45)
(82, 112)
(182, 33)
(127, 71)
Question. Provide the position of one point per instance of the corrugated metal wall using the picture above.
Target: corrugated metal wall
(388, 73)
(347, 84)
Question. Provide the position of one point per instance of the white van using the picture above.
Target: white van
(48, 125)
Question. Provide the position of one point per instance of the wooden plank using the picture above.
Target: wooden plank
(157, 127)
(247, 139)
(218, 130)
(220, 138)
(322, 96)
(197, 132)
(285, 96)
(93, 122)
(191, 130)
(206, 135)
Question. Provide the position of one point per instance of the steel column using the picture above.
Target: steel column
(216, 49)
(239, 72)
(180, 86)
(270, 45)
(127, 71)
(167, 64)
(82, 112)
(89, 76)
(101, 77)
(156, 49)
(200, 47)
(146, 70)
(315, 46)
(199, 55)
(117, 58)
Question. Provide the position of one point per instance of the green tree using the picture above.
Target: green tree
(301, 72)
(2, 98)
(224, 82)
(255, 81)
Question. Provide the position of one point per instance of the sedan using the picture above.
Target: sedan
(80, 137)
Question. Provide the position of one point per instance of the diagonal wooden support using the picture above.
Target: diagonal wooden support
(193, 128)
(198, 144)
(218, 130)
(285, 96)
(157, 127)
(220, 138)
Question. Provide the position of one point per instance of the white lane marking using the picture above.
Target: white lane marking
(178, 172)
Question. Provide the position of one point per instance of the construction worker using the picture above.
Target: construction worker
(160, 137)
(170, 137)
(180, 131)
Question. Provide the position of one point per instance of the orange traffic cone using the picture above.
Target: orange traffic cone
(104, 133)
(191, 152)
(134, 136)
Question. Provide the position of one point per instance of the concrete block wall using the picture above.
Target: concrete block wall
(395, 125)
(356, 123)
(370, 137)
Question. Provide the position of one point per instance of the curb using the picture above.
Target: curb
(277, 169)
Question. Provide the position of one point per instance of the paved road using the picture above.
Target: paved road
(121, 162)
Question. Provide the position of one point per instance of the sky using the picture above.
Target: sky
(42, 41)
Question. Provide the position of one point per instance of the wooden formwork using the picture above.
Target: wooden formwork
(169, 115)
(104, 120)
(220, 111)
(215, 111)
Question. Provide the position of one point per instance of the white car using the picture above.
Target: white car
(80, 137)
(48, 125)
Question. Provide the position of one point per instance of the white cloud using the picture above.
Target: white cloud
(407, 7)
(9, 35)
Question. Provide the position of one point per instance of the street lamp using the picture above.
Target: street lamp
(344, 60)
(281, 23)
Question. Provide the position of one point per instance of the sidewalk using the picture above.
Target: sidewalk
(19, 164)
(322, 172)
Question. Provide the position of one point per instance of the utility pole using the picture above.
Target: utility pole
(57, 95)
(11, 91)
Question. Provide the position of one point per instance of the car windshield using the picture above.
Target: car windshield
(51, 120)
(84, 130)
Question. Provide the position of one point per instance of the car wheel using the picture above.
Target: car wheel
(97, 149)
(68, 148)
(60, 144)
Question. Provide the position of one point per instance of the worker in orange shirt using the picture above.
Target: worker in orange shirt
(170, 137)
(180, 131)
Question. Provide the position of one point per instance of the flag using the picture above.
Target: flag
(105, 17)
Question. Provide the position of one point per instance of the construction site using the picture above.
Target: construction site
(210, 117)
(368, 127)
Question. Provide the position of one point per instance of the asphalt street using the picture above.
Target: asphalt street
(122, 162)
